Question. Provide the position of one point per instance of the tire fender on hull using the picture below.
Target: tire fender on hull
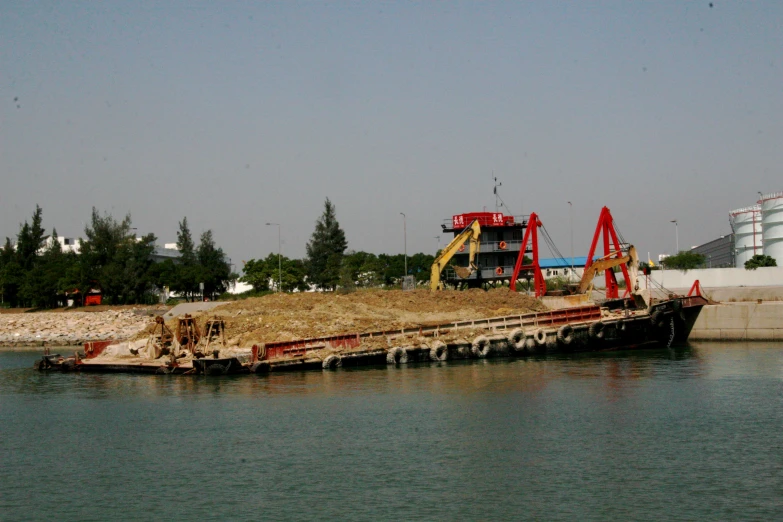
(439, 351)
(397, 355)
(481, 346)
(565, 334)
(331, 362)
(517, 339)
(596, 330)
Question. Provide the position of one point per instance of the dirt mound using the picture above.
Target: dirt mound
(284, 317)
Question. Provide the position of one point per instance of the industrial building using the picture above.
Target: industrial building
(756, 229)
(69, 244)
(772, 225)
(718, 253)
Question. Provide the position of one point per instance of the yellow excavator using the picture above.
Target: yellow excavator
(607, 262)
(471, 233)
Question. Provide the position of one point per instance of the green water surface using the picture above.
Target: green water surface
(694, 433)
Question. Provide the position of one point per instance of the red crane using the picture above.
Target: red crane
(531, 234)
(606, 229)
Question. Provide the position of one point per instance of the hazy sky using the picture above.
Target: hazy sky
(239, 113)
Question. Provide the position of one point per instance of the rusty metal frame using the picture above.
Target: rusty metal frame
(188, 331)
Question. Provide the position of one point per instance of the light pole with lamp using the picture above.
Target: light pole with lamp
(279, 263)
(405, 240)
(676, 235)
(571, 216)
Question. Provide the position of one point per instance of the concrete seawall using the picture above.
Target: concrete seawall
(740, 322)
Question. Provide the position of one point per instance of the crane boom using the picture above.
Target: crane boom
(472, 233)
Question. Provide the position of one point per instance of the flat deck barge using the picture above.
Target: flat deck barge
(614, 325)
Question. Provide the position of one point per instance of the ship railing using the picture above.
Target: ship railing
(300, 347)
(487, 273)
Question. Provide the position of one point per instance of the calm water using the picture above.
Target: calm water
(693, 433)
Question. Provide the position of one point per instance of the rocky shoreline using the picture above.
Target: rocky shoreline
(70, 328)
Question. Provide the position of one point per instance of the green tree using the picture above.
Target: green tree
(163, 274)
(11, 275)
(112, 258)
(361, 269)
(185, 280)
(684, 260)
(420, 266)
(105, 237)
(392, 268)
(295, 275)
(263, 274)
(30, 240)
(214, 269)
(257, 273)
(40, 284)
(759, 260)
(24, 272)
(325, 250)
(136, 261)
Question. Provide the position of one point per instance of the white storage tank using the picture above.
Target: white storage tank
(772, 225)
(746, 224)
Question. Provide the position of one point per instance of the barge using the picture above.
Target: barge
(616, 324)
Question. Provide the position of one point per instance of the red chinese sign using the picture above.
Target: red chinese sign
(485, 219)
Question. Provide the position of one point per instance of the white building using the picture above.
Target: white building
(67, 244)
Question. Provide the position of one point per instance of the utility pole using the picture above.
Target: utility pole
(676, 236)
(279, 263)
(571, 216)
(405, 240)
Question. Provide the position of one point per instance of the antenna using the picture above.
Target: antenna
(498, 200)
(495, 191)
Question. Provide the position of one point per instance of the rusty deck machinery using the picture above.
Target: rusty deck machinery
(161, 339)
(188, 333)
(214, 338)
(213, 341)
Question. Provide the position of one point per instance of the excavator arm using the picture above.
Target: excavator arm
(472, 233)
(606, 263)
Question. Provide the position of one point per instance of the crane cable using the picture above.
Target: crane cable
(552, 247)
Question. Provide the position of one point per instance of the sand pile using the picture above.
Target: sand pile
(284, 317)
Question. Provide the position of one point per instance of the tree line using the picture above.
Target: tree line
(38, 273)
(687, 260)
(329, 264)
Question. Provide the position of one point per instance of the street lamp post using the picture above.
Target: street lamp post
(279, 263)
(405, 239)
(676, 235)
(571, 216)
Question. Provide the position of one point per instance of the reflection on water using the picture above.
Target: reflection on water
(688, 433)
(614, 370)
